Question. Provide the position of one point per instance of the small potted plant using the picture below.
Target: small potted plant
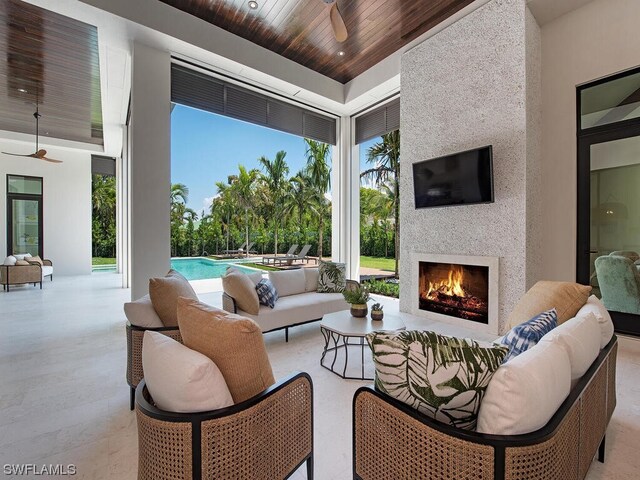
(357, 298)
(376, 312)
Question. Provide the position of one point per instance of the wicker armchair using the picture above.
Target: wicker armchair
(135, 335)
(393, 441)
(25, 274)
(266, 437)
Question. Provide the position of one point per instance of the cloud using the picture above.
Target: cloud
(206, 203)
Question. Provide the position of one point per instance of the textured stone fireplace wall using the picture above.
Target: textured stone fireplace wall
(476, 83)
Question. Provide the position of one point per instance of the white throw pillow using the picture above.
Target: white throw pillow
(526, 391)
(255, 277)
(595, 306)
(10, 260)
(288, 282)
(142, 314)
(311, 276)
(580, 337)
(21, 256)
(180, 379)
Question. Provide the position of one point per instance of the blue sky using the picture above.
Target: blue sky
(207, 148)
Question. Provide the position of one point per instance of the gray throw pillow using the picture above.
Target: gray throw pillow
(442, 377)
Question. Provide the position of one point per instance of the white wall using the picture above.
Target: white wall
(474, 84)
(594, 41)
(66, 207)
(149, 167)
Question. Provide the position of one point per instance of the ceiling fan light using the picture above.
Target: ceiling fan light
(253, 5)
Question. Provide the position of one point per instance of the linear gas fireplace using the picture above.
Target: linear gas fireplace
(457, 289)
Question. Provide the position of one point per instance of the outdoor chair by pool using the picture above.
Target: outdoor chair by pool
(302, 256)
(289, 254)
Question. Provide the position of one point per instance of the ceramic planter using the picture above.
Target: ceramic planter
(359, 310)
(377, 314)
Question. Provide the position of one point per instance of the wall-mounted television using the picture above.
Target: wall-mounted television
(461, 179)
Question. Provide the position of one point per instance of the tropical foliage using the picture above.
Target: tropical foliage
(356, 296)
(265, 206)
(384, 158)
(103, 222)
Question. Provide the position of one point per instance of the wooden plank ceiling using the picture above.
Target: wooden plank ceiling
(51, 60)
(300, 30)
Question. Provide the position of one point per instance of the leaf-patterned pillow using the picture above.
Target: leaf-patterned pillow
(332, 277)
(442, 377)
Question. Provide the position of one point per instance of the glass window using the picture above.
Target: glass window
(610, 102)
(26, 185)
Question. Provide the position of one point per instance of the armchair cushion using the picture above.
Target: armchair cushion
(36, 259)
(10, 260)
(180, 379)
(442, 377)
(234, 343)
(164, 293)
(22, 263)
(21, 256)
(142, 314)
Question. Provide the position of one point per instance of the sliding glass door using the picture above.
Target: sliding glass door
(609, 196)
(24, 215)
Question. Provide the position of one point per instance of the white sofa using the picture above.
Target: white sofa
(298, 301)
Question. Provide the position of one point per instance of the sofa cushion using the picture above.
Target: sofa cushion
(267, 293)
(311, 276)
(442, 377)
(142, 314)
(565, 297)
(595, 306)
(46, 270)
(180, 379)
(255, 277)
(22, 263)
(36, 259)
(298, 308)
(21, 256)
(164, 293)
(332, 277)
(10, 260)
(288, 282)
(580, 337)
(526, 391)
(524, 336)
(234, 343)
(242, 289)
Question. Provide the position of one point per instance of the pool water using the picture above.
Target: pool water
(203, 268)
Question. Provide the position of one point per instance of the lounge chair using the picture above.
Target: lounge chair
(234, 251)
(289, 254)
(300, 256)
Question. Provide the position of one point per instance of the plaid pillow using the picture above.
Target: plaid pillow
(267, 293)
(524, 336)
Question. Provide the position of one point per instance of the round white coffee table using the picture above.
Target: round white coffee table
(340, 327)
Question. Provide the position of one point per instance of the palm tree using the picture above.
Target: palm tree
(319, 173)
(179, 196)
(275, 180)
(223, 204)
(242, 186)
(385, 158)
(298, 198)
(103, 202)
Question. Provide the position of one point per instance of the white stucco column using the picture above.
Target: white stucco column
(149, 166)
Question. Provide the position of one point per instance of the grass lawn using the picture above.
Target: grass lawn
(260, 266)
(380, 263)
(103, 261)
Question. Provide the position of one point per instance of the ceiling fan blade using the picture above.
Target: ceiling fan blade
(337, 23)
(50, 160)
(31, 155)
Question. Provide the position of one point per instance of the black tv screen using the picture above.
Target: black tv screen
(461, 179)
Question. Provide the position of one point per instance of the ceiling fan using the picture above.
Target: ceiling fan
(337, 22)
(40, 154)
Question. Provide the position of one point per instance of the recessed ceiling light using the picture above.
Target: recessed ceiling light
(253, 5)
(341, 53)
(22, 90)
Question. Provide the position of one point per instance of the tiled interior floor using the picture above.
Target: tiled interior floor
(64, 397)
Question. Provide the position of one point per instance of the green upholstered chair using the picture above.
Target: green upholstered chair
(619, 282)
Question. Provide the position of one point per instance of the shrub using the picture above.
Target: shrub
(382, 287)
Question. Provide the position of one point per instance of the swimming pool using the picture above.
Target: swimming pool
(202, 268)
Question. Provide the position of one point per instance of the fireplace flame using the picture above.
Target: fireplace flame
(452, 286)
